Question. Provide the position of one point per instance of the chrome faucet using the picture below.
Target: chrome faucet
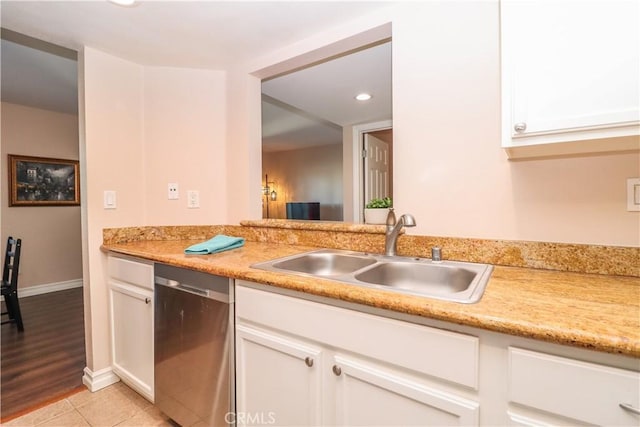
(393, 230)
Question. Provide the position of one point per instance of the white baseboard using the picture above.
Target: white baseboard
(48, 287)
(146, 390)
(99, 379)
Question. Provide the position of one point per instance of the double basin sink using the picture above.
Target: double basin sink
(462, 282)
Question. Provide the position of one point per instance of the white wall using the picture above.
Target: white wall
(51, 237)
(449, 169)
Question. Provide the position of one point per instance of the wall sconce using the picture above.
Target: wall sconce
(269, 191)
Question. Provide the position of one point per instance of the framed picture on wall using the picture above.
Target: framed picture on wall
(41, 181)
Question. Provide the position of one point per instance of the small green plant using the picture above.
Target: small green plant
(379, 203)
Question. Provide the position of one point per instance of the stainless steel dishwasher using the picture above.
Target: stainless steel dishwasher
(194, 358)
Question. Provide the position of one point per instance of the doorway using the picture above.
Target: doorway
(40, 119)
(378, 165)
(383, 131)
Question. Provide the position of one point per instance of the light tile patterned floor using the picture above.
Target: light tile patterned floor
(116, 405)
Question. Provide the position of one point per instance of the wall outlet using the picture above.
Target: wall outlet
(633, 194)
(193, 199)
(172, 190)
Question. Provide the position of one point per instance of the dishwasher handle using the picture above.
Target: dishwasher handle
(208, 293)
(194, 289)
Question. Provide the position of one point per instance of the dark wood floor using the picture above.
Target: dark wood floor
(46, 360)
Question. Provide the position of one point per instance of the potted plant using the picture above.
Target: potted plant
(376, 211)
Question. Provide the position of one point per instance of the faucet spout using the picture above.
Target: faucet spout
(393, 231)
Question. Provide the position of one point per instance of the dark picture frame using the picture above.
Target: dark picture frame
(43, 181)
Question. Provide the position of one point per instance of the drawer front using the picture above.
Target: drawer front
(439, 353)
(583, 391)
(133, 272)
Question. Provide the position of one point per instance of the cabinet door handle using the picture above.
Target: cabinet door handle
(630, 408)
(147, 300)
(308, 361)
(336, 370)
(520, 127)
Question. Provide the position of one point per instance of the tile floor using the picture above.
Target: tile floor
(116, 405)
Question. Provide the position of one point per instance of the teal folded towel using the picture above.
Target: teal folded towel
(218, 244)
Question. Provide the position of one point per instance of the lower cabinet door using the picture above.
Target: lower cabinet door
(278, 380)
(583, 392)
(370, 395)
(132, 336)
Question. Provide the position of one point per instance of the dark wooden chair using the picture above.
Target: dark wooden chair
(10, 283)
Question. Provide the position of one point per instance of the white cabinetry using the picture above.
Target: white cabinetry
(570, 76)
(305, 363)
(277, 379)
(369, 394)
(585, 392)
(131, 314)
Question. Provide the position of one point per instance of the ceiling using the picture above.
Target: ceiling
(309, 107)
(335, 85)
(192, 34)
(38, 79)
(202, 34)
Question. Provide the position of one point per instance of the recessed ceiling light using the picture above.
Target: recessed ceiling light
(363, 97)
(123, 2)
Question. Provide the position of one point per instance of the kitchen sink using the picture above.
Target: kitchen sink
(442, 279)
(324, 263)
(455, 281)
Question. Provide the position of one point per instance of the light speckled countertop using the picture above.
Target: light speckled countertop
(598, 312)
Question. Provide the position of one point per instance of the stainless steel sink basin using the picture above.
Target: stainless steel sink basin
(324, 263)
(447, 280)
(440, 279)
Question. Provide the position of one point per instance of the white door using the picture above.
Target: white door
(376, 168)
(368, 394)
(278, 380)
(132, 336)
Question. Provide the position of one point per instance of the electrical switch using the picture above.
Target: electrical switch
(109, 199)
(633, 194)
(193, 199)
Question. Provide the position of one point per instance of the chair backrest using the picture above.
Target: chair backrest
(11, 263)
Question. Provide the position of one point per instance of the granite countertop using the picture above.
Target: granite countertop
(592, 311)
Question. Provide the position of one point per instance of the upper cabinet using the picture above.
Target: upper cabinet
(570, 77)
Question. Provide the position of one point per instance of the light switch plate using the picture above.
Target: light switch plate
(109, 199)
(193, 199)
(633, 194)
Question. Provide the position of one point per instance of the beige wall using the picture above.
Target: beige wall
(111, 138)
(244, 146)
(185, 142)
(143, 128)
(307, 175)
(51, 237)
(449, 169)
